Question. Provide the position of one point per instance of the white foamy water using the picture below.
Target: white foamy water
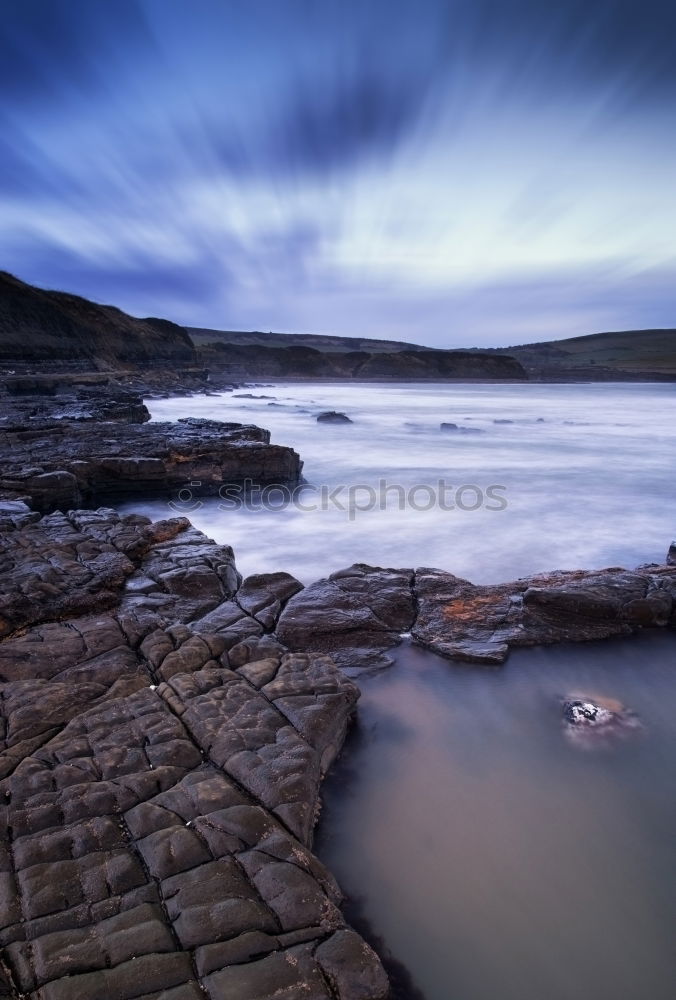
(587, 473)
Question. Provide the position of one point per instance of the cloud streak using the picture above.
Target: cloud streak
(451, 173)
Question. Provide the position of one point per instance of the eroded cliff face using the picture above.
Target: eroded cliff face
(160, 769)
(258, 361)
(39, 325)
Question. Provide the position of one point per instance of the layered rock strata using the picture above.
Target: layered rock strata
(62, 463)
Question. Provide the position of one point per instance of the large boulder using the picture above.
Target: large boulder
(355, 614)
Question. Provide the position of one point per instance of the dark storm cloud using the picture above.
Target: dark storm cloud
(50, 49)
(359, 118)
(572, 42)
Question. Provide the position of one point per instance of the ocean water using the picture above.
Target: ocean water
(584, 477)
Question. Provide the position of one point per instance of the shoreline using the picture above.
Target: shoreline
(176, 722)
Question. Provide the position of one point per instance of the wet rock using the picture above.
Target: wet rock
(70, 397)
(451, 428)
(358, 608)
(347, 962)
(160, 771)
(480, 624)
(63, 565)
(59, 464)
(332, 417)
(593, 721)
(262, 596)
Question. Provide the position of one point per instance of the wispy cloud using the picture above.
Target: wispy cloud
(481, 171)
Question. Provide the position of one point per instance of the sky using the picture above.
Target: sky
(447, 172)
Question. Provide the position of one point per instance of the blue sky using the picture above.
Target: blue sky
(479, 172)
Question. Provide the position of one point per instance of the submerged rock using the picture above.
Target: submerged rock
(590, 721)
(456, 429)
(333, 417)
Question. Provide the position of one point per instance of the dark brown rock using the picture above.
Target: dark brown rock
(333, 417)
(264, 595)
(450, 428)
(347, 962)
(157, 798)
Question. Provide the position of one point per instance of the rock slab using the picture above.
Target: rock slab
(160, 766)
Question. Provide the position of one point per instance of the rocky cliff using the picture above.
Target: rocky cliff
(38, 325)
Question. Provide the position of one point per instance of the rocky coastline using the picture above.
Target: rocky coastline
(67, 443)
(167, 724)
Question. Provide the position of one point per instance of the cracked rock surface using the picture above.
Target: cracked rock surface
(161, 760)
(164, 730)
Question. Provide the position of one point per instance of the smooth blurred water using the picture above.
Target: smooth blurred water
(590, 485)
(492, 857)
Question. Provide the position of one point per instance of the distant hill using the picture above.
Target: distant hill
(320, 342)
(39, 326)
(256, 354)
(50, 327)
(630, 354)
